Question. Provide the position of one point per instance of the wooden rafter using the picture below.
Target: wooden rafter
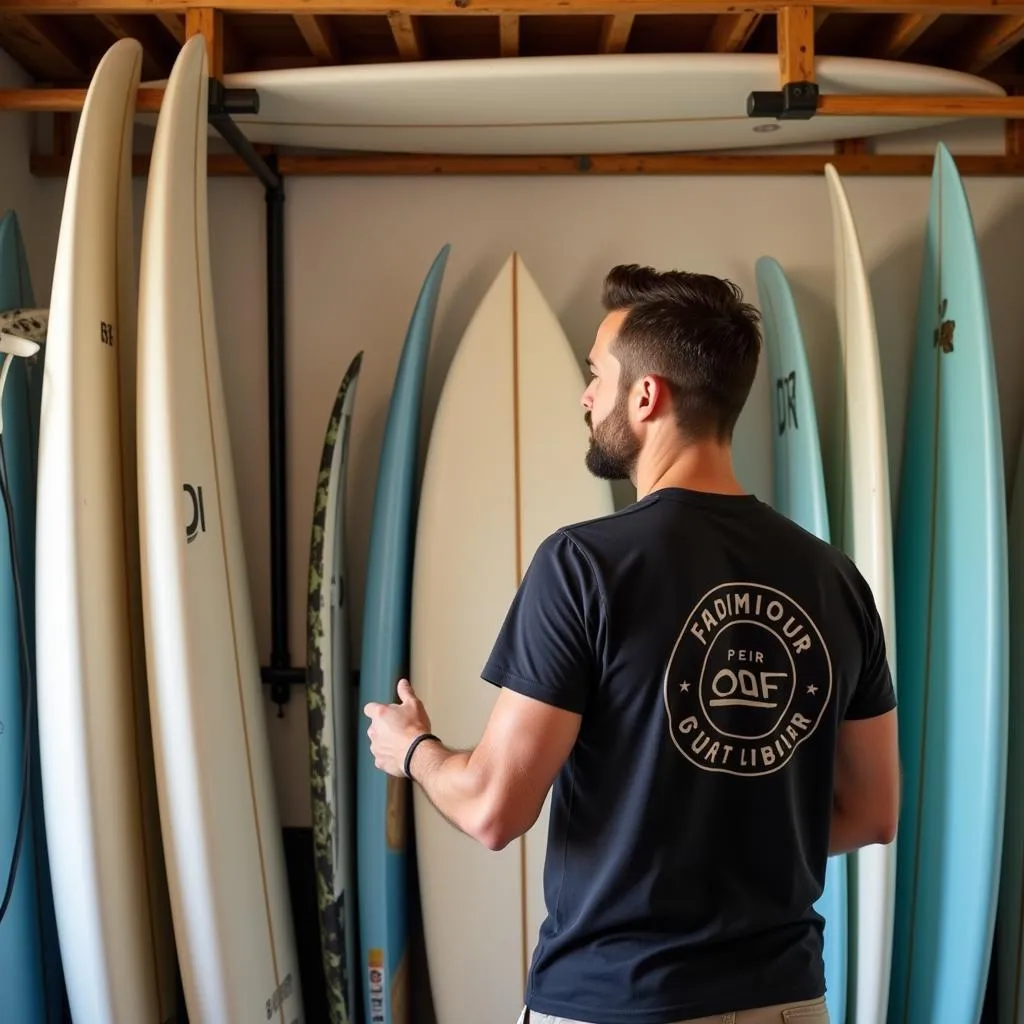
(157, 48)
(615, 30)
(175, 25)
(997, 36)
(408, 35)
(731, 32)
(209, 23)
(319, 35)
(497, 7)
(49, 43)
(901, 35)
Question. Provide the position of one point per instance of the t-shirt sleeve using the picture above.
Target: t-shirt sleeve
(874, 693)
(547, 647)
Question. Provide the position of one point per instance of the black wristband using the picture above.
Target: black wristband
(412, 749)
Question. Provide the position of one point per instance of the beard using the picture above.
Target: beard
(614, 448)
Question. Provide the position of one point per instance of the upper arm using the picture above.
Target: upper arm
(867, 775)
(867, 781)
(546, 661)
(523, 746)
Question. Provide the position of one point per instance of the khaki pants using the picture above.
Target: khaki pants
(807, 1011)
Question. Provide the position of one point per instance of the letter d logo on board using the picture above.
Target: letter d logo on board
(197, 523)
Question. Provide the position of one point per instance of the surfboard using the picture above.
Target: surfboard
(1010, 911)
(381, 800)
(951, 594)
(222, 836)
(31, 974)
(799, 493)
(329, 693)
(102, 817)
(489, 497)
(573, 104)
(860, 520)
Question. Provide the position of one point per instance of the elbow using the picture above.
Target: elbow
(497, 825)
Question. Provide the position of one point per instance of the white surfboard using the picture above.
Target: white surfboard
(222, 836)
(526, 457)
(861, 524)
(99, 787)
(582, 104)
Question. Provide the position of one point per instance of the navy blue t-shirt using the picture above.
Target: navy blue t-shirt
(713, 648)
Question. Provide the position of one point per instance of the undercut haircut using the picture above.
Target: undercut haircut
(694, 332)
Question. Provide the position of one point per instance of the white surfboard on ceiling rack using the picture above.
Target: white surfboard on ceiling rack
(591, 103)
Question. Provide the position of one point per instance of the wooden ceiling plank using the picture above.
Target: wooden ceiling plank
(796, 44)
(615, 30)
(509, 35)
(318, 32)
(175, 25)
(408, 36)
(731, 32)
(50, 44)
(158, 54)
(997, 36)
(901, 35)
(497, 7)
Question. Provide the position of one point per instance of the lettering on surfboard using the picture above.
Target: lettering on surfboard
(196, 523)
(785, 402)
(944, 332)
(106, 333)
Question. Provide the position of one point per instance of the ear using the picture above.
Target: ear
(650, 394)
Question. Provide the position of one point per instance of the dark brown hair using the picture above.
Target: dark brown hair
(696, 333)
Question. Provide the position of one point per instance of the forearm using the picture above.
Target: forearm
(453, 784)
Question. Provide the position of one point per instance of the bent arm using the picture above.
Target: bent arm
(866, 793)
(494, 792)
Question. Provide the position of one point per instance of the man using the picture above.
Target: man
(704, 683)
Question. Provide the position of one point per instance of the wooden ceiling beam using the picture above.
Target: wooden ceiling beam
(509, 35)
(408, 35)
(901, 35)
(48, 44)
(997, 36)
(157, 49)
(731, 32)
(847, 164)
(497, 7)
(209, 23)
(175, 25)
(615, 30)
(319, 35)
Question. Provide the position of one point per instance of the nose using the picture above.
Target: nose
(586, 400)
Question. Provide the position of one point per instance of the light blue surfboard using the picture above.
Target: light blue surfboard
(799, 493)
(382, 802)
(31, 978)
(951, 620)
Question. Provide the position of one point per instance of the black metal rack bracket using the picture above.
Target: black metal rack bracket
(223, 103)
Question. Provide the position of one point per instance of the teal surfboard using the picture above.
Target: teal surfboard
(329, 694)
(799, 493)
(31, 979)
(951, 620)
(381, 800)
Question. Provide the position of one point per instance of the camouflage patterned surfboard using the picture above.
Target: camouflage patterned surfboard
(330, 699)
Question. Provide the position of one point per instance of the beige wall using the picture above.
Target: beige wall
(357, 250)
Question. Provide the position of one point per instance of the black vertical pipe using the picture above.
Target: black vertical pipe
(279, 655)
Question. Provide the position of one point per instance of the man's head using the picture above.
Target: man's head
(676, 350)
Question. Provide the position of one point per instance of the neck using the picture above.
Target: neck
(700, 466)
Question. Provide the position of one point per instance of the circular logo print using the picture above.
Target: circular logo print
(748, 680)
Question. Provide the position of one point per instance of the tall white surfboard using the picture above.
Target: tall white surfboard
(222, 836)
(482, 910)
(100, 801)
(861, 522)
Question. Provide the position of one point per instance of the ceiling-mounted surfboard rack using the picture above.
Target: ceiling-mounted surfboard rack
(223, 103)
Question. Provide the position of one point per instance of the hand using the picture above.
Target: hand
(393, 727)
